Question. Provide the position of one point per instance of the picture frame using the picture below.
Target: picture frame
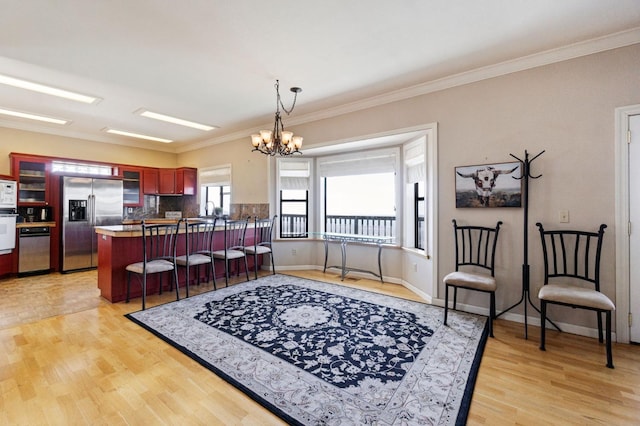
(489, 185)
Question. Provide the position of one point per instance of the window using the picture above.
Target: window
(419, 213)
(217, 199)
(215, 190)
(294, 182)
(415, 193)
(359, 192)
(65, 167)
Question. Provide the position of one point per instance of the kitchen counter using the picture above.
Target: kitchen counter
(32, 224)
(133, 228)
(149, 221)
(121, 245)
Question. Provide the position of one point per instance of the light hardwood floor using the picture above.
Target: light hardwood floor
(69, 357)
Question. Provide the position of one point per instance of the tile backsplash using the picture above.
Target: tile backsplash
(156, 206)
(238, 211)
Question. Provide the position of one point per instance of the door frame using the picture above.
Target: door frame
(622, 115)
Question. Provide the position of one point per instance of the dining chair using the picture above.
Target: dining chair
(234, 233)
(572, 277)
(198, 248)
(158, 256)
(475, 252)
(262, 242)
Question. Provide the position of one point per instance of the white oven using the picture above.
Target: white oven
(8, 204)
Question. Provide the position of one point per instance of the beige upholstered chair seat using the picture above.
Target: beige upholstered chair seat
(194, 259)
(231, 254)
(574, 295)
(471, 280)
(153, 267)
(257, 249)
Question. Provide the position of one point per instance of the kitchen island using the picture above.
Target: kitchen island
(121, 245)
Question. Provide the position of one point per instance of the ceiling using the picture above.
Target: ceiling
(216, 61)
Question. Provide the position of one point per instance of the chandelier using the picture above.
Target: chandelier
(278, 141)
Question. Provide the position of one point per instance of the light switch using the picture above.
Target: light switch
(564, 216)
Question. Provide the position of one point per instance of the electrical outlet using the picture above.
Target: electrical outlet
(563, 216)
(294, 252)
(415, 267)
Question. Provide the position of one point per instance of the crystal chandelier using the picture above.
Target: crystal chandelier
(278, 141)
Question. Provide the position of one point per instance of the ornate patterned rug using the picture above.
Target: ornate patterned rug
(322, 354)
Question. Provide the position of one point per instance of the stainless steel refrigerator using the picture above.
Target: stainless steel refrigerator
(87, 202)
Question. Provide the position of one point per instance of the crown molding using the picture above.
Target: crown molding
(564, 53)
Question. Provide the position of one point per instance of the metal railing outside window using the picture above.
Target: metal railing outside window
(295, 226)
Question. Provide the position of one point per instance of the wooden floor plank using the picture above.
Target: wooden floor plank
(69, 357)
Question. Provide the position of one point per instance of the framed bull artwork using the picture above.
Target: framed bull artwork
(489, 185)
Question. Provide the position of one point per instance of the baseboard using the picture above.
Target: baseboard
(531, 320)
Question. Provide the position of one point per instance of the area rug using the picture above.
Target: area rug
(321, 354)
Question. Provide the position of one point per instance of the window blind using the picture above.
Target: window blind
(415, 161)
(294, 174)
(360, 163)
(220, 175)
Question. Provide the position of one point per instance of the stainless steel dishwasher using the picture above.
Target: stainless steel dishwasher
(33, 255)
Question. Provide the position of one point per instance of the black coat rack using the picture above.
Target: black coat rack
(526, 294)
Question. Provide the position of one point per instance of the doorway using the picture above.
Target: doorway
(627, 223)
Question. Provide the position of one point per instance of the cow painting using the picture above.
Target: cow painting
(484, 186)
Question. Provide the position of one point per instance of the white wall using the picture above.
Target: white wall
(565, 109)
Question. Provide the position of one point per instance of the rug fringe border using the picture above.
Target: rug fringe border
(247, 391)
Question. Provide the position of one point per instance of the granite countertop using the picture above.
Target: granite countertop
(150, 220)
(133, 228)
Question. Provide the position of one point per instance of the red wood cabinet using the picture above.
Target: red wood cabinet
(132, 186)
(167, 181)
(181, 181)
(150, 181)
(32, 175)
(186, 181)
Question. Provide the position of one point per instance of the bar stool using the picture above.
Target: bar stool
(234, 232)
(198, 241)
(158, 256)
(262, 234)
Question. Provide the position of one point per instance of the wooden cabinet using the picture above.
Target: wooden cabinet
(132, 186)
(167, 181)
(32, 176)
(186, 181)
(150, 181)
(181, 181)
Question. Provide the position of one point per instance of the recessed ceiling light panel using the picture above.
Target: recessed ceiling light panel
(136, 135)
(48, 90)
(29, 116)
(175, 120)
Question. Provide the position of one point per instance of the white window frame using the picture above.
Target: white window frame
(377, 160)
(415, 170)
(297, 181)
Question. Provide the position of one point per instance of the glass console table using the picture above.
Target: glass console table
(345, 239)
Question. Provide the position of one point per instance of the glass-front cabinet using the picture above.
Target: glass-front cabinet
(132, 186)
(32, 182)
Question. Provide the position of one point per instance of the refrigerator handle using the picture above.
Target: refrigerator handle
(92, 214)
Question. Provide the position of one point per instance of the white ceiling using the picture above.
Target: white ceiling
(216, 61)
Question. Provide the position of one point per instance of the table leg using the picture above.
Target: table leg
(343, 247)
(326, 254)
(380, 262)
